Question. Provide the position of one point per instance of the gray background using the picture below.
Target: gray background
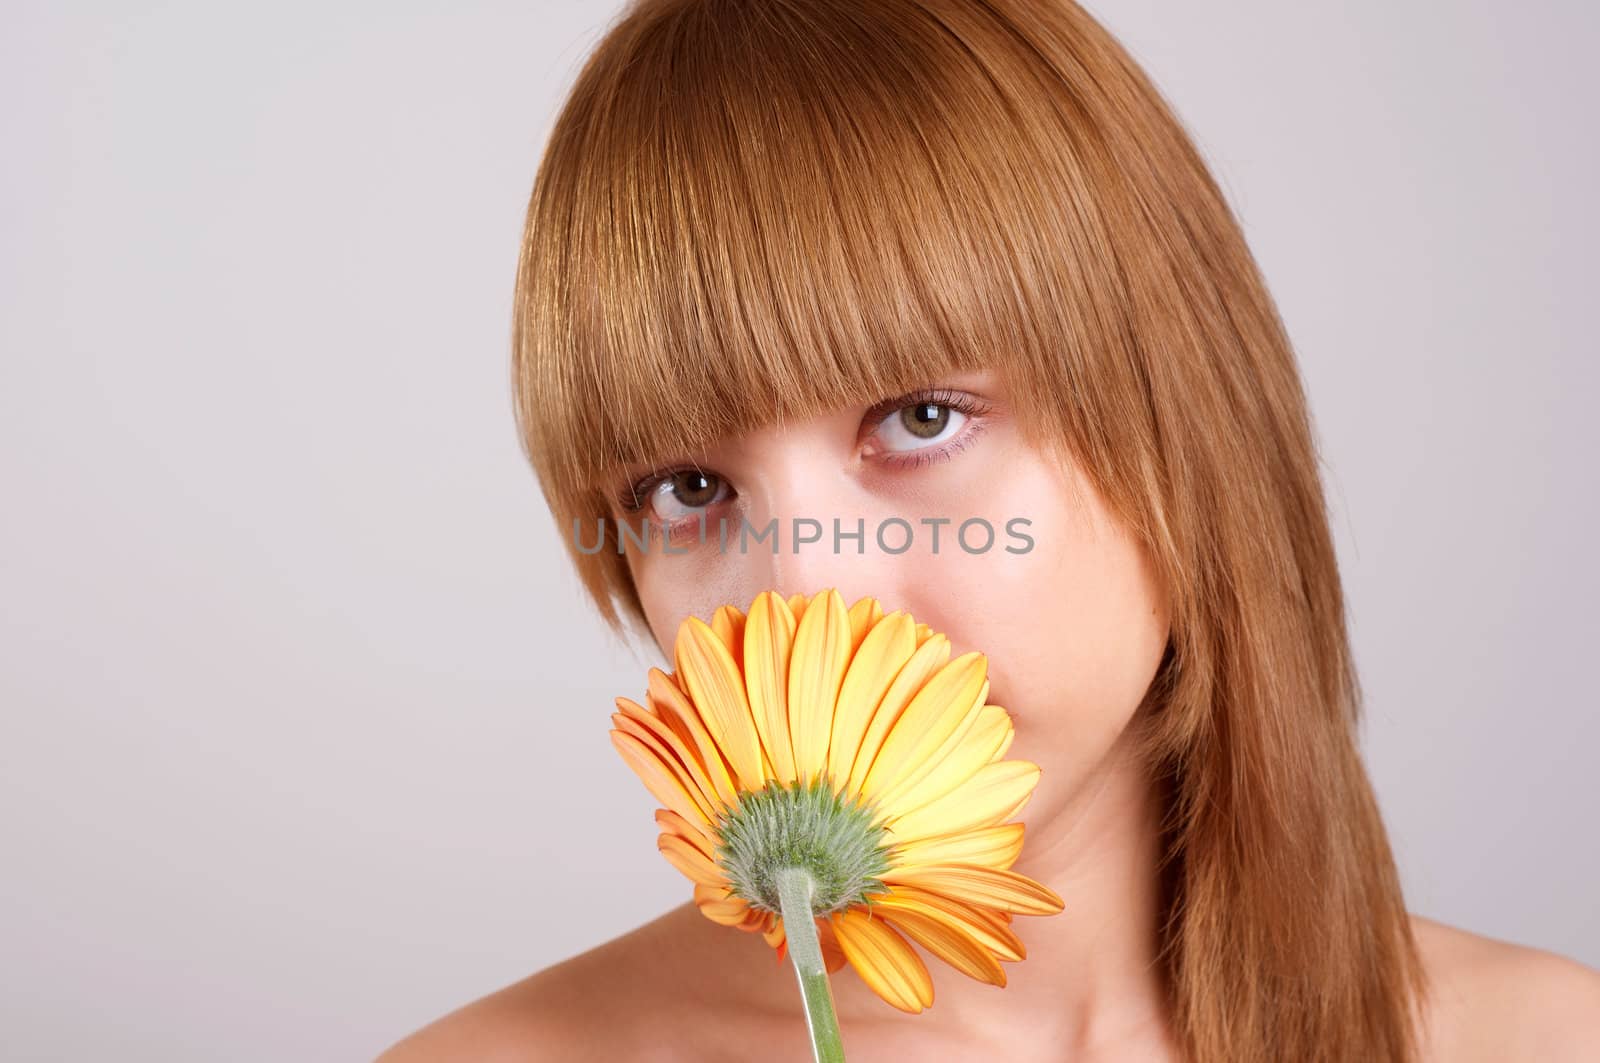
(304, 720)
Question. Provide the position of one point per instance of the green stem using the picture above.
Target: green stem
(800, 931)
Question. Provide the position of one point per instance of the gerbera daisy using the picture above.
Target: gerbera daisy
(840, 761)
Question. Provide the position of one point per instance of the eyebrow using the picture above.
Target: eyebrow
(621, 477)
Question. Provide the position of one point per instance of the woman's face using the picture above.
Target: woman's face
(1063, 602)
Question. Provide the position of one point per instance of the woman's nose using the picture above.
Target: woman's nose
(819, 526)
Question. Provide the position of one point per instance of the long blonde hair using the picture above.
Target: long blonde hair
(752, 210)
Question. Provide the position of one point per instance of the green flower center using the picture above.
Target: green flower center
(836, 841)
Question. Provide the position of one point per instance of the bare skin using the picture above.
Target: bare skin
(1498, 1003)
(1074, 629)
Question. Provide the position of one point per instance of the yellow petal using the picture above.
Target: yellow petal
(882, 654)
(987, 846)
(883, 959)
(717, 690)
(797, 605)
(691, 861)
(948, 703)
(865, 613)
(963, 755)
(929, 657)
(916, 771)
(1005, 742)
(669, 701)
(662, 782)
(985, 886)
(816, 669)
(946, 940)
(993, 795)
(768, 641)
(728, 623)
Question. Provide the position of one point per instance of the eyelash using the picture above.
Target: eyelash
(632, 498)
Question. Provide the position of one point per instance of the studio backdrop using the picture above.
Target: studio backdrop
(303, 717)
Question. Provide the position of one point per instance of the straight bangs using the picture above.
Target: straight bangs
(753, 212)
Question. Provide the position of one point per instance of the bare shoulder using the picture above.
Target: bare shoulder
(1496, 1000)
(630, 998)
(553, 1014)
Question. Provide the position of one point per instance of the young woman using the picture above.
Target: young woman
(943, 259)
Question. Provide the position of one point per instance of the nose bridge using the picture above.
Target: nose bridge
(802, 491)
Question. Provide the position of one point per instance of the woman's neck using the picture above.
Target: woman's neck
(1089, 987)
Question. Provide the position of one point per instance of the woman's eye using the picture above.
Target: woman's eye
(919, 425)
(684, 494)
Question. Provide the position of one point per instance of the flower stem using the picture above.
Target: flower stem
(800, 931)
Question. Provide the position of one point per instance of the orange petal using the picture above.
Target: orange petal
(997, 846)
(1002, 940)
(816, 669)
(719, 905)
(690, 860)
(991, 928)
(993, 795)
(929, 657)
(884, 960)
(650, 730)
(984, 886)
(880, 657)
(716, 687)
(832, 954)
(693, 833)
(945, 939)
(768, 641)
(669, 701)
(662, 782)
(946, 705)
